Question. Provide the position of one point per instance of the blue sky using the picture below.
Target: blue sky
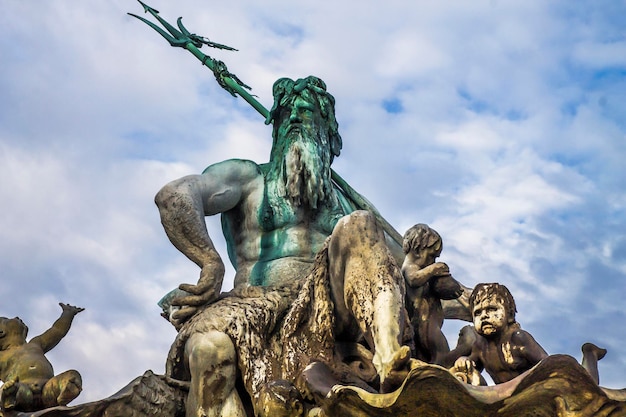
(498, 123)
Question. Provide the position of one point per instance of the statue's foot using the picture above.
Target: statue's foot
(69, 390)
(395, 372)
(593, 350)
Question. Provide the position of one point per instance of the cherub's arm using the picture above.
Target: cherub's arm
(476, 356)
(532, 351)
(51, 337)
(417, 277)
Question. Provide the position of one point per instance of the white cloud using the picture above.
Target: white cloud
(600, 55)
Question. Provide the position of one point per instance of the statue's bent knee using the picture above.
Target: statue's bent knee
(361, 219)
(212, 364)
(210, 350)
(164, 195)
(358, 227)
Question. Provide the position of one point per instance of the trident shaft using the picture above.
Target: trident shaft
(180, 37)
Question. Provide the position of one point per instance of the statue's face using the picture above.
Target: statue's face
(490, 316)
(301, 155)
(303, 116)
(13, 329)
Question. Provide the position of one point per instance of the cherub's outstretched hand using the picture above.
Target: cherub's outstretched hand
(71, 309)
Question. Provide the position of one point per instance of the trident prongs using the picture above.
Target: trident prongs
(177, 38)
(230, 82)
(198, 40)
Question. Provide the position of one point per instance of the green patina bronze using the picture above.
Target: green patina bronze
(182, 38)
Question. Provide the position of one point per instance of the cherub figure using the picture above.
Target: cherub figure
(429, 282)
(29, 380)
(502, 348)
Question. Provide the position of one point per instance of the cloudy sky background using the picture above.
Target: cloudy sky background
(499, 123)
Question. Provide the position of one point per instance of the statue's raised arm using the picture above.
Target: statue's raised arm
(51, 337)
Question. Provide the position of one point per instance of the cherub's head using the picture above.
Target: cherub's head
(493, 308)
(12, 332)
(280, 398)
(422, 245)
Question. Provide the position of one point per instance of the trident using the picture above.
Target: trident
(182, 38)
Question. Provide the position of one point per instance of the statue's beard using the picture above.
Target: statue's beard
(305, 177)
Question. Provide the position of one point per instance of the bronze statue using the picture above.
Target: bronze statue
(315, 281)
(429, 282)
(29, 380)
(280, 398)
(502, 348)
(591, 355)
(276, 217)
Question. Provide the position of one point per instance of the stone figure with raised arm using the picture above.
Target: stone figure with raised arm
(276, 218)
(29, 380)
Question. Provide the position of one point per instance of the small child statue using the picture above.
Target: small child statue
(29, 380)
(429, 282)
(502, 348)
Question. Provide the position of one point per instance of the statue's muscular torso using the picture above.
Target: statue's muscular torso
(273, 242)
(509, 355)
(28, 363)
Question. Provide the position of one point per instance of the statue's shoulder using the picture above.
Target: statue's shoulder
(243, 168)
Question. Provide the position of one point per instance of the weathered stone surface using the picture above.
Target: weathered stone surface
(29, 380)
(149, 395)
(558, 386)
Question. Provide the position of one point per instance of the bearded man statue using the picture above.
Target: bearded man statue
(303, 257)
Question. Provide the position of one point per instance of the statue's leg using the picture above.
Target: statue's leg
(368, 290)
(591, 355)
(212, 362)
(14, 394)
(439, 346)
(62, 389)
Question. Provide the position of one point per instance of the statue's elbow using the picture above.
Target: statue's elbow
(181, 198)
(166, 196)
